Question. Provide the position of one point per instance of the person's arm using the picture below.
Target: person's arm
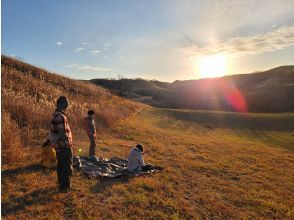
(141, 160)
(86, 125)
(94, 134)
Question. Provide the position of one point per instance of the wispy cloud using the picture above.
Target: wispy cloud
(239, 46)
(87, 68)
(108, 44)
(58, 43)
(94, 52)
(79, 49)
(85, 43)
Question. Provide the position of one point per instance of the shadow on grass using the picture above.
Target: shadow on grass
(104, 183)
(271, 122)
(15, 203)
(24, 170)
(271, 140)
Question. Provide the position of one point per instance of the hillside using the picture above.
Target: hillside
(217, 165)
(268, 91)
(29, 95)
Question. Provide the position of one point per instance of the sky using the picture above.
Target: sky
(165, 40)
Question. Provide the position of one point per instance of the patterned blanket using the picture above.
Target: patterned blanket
(96, 167)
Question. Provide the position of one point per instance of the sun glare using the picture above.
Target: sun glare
(213, 66)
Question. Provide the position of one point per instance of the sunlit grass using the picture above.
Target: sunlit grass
(209, 172)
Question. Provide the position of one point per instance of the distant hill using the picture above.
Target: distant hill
(268, 91)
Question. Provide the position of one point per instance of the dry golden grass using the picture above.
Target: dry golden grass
(11, 140)
(29, 95)
(209, 173)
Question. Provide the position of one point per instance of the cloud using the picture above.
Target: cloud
(107, 44)
(94, 52)
(85, 43)
(87, 68)
(239, 46)
(79, 49)
(58, 43)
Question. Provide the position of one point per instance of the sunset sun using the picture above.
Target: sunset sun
(213, 66)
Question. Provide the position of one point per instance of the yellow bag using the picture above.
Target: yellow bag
(48, 157)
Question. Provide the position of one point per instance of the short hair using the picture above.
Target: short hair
(62, 102)
(140, 147)
(91, 112)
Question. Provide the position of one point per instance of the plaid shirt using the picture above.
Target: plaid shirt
(60, 127)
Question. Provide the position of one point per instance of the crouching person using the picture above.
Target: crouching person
(60, 128)
(136, 161)
(48, 155)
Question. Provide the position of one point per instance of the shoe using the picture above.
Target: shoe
(63, 190)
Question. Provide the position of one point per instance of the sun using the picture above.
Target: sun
(213, 66)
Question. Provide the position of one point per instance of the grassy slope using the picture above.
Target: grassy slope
(224, 170)
(28, 100)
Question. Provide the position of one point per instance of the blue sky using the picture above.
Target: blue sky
(154, 39)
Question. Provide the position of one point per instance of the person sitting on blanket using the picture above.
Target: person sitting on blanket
(136, 161)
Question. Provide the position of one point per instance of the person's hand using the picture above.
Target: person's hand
(94, 135)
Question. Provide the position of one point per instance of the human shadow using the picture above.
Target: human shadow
(19, 203)
(24, 170)
(104, 183)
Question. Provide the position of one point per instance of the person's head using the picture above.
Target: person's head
(62, 103)
(140, 147)
(91, 113)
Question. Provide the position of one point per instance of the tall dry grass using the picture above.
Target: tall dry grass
(29, 95)
(10, 139)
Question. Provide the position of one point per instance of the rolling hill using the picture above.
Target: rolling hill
(268, 91)
(217, 165)
(29, 96)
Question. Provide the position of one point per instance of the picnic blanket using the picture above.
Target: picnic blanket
(96, 167)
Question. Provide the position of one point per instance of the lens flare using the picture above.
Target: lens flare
(213, 66)
(233, 96)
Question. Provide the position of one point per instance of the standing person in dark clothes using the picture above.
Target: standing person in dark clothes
(61, 130)
(90, 128)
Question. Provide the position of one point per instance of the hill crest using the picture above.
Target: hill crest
(267, 91)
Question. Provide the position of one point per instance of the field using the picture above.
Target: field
(217, 165)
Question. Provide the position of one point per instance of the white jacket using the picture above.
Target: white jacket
(135, 160)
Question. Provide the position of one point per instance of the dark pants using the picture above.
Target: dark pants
(92, 145)
(64, 167)
(147, 167)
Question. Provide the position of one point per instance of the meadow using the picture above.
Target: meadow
(237, 167)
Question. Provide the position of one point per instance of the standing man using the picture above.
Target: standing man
(61, 130)
(90, 128)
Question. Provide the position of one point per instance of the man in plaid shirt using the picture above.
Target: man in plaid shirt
(61, 130)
